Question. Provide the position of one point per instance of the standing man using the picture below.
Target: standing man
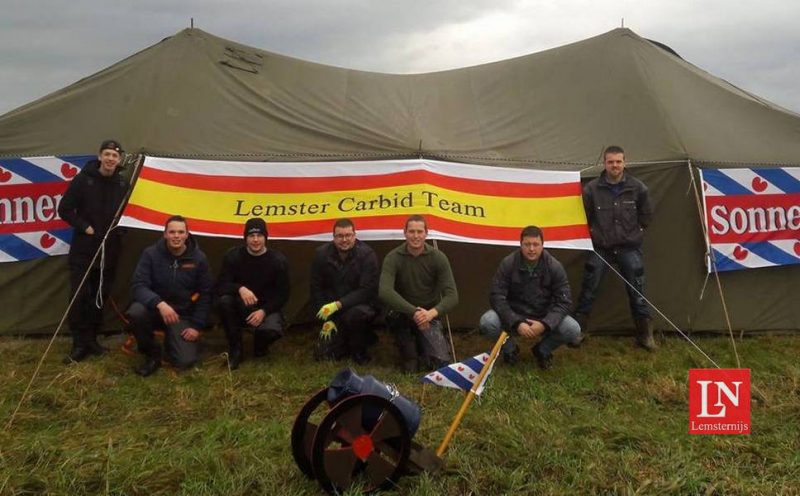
(618, 210)
(530, 297)
(90, 205)
(344, 286)
(253, 287)
(417, 286)
(171, 291)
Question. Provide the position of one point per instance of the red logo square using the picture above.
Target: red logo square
(719, 401)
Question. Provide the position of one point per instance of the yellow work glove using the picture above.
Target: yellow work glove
(328, 330)
(325, 311)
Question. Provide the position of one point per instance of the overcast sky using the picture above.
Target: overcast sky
(48, 44)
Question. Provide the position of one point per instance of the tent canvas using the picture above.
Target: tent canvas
(195, 95)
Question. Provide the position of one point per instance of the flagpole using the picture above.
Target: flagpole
(471, 395)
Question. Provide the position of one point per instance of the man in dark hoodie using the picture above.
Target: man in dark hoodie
(171, 290)
(530, 297)
(344, 287)
(253, 287)
(90, 205)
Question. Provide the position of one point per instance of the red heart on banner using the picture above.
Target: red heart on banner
(471, 376)
(705, 186)
(461, 369)
(438, 378)
(68, 171)
(740, 253)
(797, 248)
(47, 241)
(485, 358)
(5, 176)
(759, 184)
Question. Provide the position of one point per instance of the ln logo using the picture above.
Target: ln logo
(719, 401)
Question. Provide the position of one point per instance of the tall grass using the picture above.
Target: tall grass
(607, 419)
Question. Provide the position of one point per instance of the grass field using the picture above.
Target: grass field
(607, 419)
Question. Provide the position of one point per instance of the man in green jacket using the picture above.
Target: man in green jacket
(417, 287)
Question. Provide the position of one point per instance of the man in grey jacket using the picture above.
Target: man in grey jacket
(618, 210)
(530, 297)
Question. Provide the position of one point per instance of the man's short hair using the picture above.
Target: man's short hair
(531, 232)
(416, 218)
(343, 224)
(613, 149)
(176, 218)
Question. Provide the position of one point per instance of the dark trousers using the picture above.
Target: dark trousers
(181, 353)
(353, 331)
(85, 318)
(233, 315)
(631, 266)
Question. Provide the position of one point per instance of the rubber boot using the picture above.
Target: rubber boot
(95, 348)
(409, 361)
(80, 351)
(151, 363)
(261, 342)
(644, 334)
(235, 354)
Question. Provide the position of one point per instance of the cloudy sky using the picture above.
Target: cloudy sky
(48, 44)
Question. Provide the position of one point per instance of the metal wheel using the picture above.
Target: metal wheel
(362, 441)
(303, 432)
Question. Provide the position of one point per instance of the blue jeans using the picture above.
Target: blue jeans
(631, 266)
(568, 331)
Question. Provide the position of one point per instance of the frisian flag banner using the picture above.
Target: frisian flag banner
(30, 190)
(753, 217)
(461, 375)
(461, 202)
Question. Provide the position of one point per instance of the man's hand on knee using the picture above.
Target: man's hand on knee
(256, 318)
(190, 334)
(168, 314)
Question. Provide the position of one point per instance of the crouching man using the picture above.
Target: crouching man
(344, 287)
(253, 287)
(530, 297)
(171, 291)
(417, 287)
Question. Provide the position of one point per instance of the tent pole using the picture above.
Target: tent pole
(447, 320)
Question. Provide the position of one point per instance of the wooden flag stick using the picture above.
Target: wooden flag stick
(471, 395)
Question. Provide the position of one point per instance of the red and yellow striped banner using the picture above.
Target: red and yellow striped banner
(461, 202)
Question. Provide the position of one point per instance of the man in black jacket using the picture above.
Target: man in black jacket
(171, 290)
(90, 205)
(252, 288)
(618, 210)
(344, 287)
(530, 297)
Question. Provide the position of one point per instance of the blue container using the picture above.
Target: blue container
(347, 383)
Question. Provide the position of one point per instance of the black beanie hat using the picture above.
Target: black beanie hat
(111, 145)
(255, 225)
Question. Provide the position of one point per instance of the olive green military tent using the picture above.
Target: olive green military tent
(199, 96)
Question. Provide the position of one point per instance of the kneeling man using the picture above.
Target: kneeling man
(171, 291)
(253, 287)
(344, 287)
(530, 297)
(417, 287)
